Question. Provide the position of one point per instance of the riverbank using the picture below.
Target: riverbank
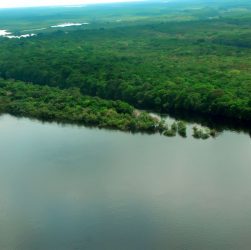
(70, 106)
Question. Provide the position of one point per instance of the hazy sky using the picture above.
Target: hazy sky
(26, 3)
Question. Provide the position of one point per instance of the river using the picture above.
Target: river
(69, 187)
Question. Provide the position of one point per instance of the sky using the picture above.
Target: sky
(31, 3)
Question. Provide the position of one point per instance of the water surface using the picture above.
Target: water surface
(69, 187)
(63, 25)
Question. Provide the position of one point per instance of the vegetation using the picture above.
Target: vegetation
(169, 133)
(48, 103)
(203, 133)
(182, 130)
(185, 57)
(172, 131)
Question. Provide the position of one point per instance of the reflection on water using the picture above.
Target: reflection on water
(218, 123)
(67, 187)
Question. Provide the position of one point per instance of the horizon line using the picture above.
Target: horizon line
(76, 5)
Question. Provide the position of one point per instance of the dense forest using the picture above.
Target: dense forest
(197, 65)
(53, 104)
